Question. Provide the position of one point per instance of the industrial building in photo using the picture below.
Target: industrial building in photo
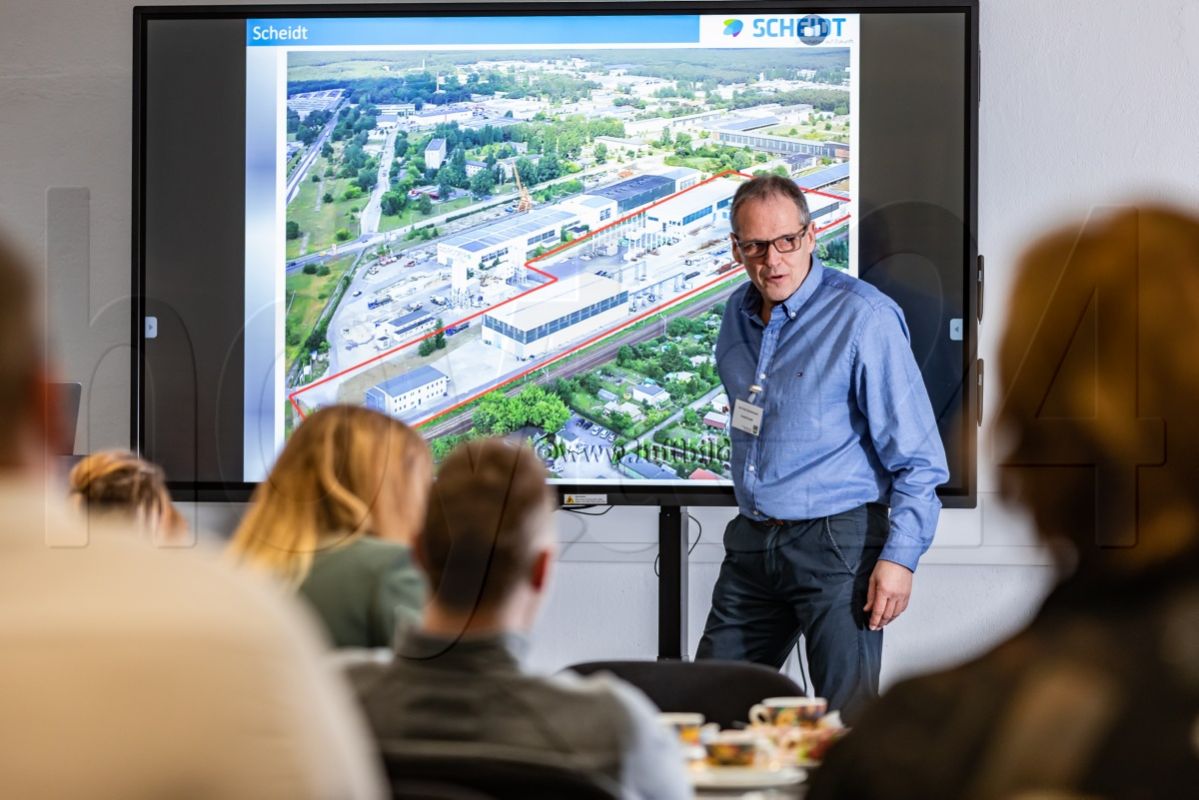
(702, 205)
(504, 245)
(431, 116)
(307, 102)
(412, 324)
(636, 192)
(547, 319)
(823, 208)
(780, 145)
(683, 177)
(408, 391)
(591, 210)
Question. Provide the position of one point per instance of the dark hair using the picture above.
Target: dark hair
(21, 351)
(766, 186)
(1097, 434)
(482, 527)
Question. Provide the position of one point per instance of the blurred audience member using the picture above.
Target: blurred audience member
(488, 548)
(1098, 438)
(336, 518)
(118, 483)
(127, 674)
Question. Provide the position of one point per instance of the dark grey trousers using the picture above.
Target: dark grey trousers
(806, 577)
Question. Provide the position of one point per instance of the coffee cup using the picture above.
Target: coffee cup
(732, 749)
(686, 726)
(788, 712)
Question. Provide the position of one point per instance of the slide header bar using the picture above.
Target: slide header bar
(707, 30)
(435, 31)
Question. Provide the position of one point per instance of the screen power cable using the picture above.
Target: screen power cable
(699, 534)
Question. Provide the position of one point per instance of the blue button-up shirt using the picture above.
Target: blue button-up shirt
(846, 418)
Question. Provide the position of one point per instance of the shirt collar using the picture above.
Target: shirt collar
(495, 653)
(752, 302)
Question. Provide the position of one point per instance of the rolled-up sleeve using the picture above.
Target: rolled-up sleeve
(891, 395)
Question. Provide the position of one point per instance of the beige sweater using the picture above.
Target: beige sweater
(132, 672)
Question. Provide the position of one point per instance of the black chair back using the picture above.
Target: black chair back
(723, 691)
(418, 771)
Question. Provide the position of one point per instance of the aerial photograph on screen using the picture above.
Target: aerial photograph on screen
(484, 243)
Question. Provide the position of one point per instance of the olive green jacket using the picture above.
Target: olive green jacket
(363, 590)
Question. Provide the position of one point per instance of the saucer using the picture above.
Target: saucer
(746, 777)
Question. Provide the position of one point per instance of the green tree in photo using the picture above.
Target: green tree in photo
(367, 179)
(672, 360)
(424, 205)
(495, 415)
(543, 409)
(620, 422)
(483, 183)
(393, 203)
(293, 229)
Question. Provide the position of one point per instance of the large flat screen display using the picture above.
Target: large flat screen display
(491, 221)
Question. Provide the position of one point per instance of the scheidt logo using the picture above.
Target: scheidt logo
(812, 29)
(732, 27)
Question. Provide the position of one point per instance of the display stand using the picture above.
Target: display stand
(672, 582)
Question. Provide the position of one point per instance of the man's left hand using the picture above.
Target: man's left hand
(887, 597)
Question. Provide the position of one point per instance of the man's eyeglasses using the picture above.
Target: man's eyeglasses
(757, 248)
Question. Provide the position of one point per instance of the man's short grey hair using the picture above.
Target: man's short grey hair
(766, 186)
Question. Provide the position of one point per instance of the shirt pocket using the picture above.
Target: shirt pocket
(794, 422)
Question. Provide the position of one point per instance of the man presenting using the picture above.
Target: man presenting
(830, 421)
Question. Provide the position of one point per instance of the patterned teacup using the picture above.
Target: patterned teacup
(685, 725)
(788, 712)
(732, 749)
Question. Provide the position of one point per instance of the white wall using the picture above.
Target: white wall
(1085, 103)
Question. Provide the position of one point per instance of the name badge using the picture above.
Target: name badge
(747, 417)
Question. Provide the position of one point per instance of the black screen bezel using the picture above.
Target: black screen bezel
(631, 493)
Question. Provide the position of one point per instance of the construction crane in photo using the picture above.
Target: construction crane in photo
(526, 200)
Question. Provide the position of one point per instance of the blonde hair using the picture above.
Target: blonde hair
(341, 473)
(119, 482)
(1097, 435)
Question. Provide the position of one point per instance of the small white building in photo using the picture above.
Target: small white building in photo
(435, 153)
(408, 391)
(654, 395)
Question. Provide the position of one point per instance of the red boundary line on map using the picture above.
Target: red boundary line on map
(552, 280)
